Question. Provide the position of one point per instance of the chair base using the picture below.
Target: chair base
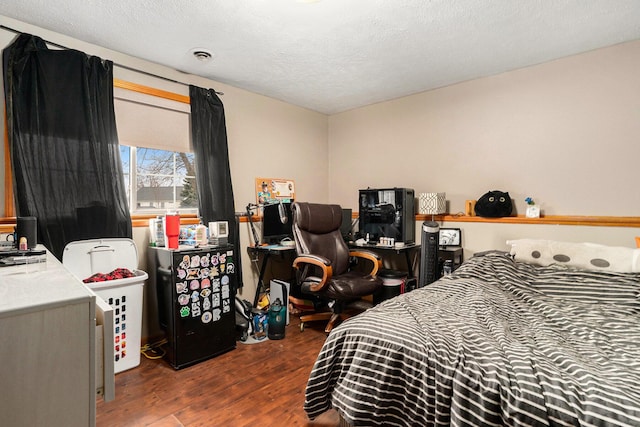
(331, 316)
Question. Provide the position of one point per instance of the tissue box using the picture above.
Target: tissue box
(432, 203)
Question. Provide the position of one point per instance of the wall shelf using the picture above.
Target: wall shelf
(7, 224)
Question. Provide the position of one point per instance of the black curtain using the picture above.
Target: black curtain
(63, 143)
(213, 175)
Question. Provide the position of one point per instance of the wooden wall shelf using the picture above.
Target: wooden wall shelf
(593, 221)
(7, 224)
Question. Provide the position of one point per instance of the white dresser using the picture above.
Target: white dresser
(50, 347)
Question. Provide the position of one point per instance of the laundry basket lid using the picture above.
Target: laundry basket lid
(84, 258)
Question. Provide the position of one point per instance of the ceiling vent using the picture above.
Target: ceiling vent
(202, 55)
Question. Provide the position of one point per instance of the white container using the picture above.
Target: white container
(85, 258)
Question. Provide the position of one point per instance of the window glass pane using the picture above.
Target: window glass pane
(125, 158)
(188, 193)
(154, 193)
(185, 164)
(164, 180)
(152, 161)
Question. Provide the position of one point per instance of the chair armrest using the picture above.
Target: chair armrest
(318, 261)
(371, 256)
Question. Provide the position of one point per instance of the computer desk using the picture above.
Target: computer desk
(407, 249)
(267, 252)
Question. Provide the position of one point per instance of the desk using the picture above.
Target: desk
(454, 254)
(406, 250)
(267, 252)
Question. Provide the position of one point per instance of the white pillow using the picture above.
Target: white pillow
(590, 256)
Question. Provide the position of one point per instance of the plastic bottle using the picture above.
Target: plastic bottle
(277, 320)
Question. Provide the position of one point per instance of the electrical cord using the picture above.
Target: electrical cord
(153, 351)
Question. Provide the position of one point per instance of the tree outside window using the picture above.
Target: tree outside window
(159, 180)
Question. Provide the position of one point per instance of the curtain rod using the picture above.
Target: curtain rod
(126, 67)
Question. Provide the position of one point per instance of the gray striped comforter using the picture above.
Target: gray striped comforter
(496, 343)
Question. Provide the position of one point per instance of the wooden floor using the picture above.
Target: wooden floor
(253, 385)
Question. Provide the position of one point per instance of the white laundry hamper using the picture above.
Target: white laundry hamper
(85, 258)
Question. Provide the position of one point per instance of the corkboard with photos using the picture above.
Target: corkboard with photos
(271, 190)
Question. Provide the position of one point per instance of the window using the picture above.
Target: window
(155, 148)
(159, 180)
(146, 117)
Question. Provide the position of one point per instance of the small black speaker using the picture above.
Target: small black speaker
(27, 226)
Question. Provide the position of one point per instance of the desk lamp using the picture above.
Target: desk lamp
(432, 204)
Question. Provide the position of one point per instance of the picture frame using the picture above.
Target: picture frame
(450, 237)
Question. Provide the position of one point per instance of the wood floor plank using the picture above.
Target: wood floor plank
(253, 385)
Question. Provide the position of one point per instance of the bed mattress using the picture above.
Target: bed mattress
(497, 343)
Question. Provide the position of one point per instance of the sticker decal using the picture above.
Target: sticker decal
(205, 260)
(183, 299)
(185, 262)
(205, 292)
(181, 287)
(182, 273)
(194, 285)
(195, 261)
(206, 304)
(226, 306)
(215, 300)
(195, 296)
(184, 311)
(231, 268)
(225, 280)
(214, 272)
(205, 283)
(195, 309)
(216, 314)
(206, 317)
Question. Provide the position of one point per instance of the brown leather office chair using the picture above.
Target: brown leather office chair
(324, 261)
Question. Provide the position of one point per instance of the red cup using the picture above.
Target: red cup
(172, 230)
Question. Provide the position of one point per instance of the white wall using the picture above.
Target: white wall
(563, 132)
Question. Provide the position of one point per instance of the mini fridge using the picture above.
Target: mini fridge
(195, 293)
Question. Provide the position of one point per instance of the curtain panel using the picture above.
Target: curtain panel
(213, 174)
(63, 143)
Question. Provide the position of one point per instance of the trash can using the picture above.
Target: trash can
(392, 285)
(86, 258)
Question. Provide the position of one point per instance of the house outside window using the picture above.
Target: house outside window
(158, 180)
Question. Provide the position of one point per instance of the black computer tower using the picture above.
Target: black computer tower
(387, 212)
(429, 259)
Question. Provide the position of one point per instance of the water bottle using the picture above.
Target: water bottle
(277, 320)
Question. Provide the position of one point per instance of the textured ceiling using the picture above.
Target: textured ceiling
(335, 55)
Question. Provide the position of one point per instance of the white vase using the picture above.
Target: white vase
(533, 211)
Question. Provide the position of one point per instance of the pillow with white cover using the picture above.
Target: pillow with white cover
(589, 256)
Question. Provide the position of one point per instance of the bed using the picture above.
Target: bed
(502, 341)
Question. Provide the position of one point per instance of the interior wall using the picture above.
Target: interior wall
(266, 137)
(564, 133)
